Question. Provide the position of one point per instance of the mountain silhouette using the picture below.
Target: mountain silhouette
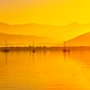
(82, 40)
(25, 40)
(61, 32)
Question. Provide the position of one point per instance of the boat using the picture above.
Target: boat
(65, 48)
(33, 50)
(5, 48)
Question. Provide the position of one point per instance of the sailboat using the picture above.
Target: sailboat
(5, 48)
(33, 48)
(65, 48)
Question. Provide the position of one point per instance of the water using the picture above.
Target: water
(45, 70)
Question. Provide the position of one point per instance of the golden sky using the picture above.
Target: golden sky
(49, 12)
(53, 12)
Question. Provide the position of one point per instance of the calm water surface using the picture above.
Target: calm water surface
(45, 70)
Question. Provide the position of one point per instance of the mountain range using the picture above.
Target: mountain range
(22, 40)
(34, 33)
(61, 33)
(25, 40)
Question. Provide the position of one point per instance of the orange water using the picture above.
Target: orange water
(45, 70)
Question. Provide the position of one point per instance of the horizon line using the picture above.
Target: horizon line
(72, 23)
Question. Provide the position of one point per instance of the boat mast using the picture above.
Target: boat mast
(64, 45)
(6, 44)
(33, 47)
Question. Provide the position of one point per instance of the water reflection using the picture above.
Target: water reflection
(66, 55)
(6, 58)
(49, 70)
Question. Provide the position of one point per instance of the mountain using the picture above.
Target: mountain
(82, 40)
(24, 40)
(61, 33)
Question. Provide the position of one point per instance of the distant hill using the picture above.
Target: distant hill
(82, 40)
(24, 40)
(63, 32)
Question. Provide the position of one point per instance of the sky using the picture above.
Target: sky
(48, 12)
(53, 12)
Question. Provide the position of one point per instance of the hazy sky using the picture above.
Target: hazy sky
(56, 12)
(51, 12)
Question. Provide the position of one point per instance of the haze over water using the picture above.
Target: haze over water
(45, 70)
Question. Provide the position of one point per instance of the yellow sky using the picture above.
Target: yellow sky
(54, 12)
(51, 12)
